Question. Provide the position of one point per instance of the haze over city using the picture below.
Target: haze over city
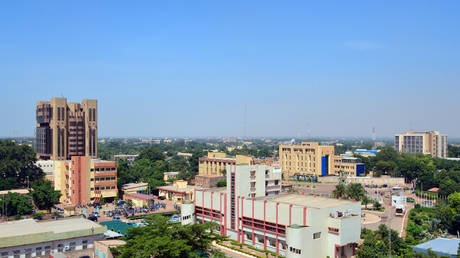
(190, 68)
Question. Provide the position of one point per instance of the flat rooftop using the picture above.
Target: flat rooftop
(174, 188)
(306, 200)
(112, 242)
(209, 176)
(214, 189)
(132, 185)
(29, 231)
(217, 158)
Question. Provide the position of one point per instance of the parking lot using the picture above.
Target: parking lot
(110, 210)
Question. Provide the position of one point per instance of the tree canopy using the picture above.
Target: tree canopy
(351, 191)
(376, 244)
(428, 171)
(159, 238)
(44, 195)
(17, 166)
(15, 204)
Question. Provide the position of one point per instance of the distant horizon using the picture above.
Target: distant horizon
(454, 139)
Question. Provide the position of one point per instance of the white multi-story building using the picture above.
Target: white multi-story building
(48, 168)
(252, 210)
(432, 143)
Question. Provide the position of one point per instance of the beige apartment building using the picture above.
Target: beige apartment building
(431, 142)
(216, 162)
(83, 180)
(312, 159)
(308, 158)
(65, 129)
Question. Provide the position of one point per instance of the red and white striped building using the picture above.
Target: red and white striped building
(252, 210)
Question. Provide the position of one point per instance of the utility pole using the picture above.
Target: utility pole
(389, 227)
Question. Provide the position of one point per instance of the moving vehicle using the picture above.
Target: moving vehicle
(400, 210)
(410, 199)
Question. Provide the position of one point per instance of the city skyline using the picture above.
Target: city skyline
(258, 69)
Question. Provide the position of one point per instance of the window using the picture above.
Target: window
(60, 248)
(72, 246)
(38, 251)
(333, 230)
(260, 240)
(28, 252)
(295, 250)
(16, 253)
(47, 250)
(85, 244)
(316, 235)
(4, 254)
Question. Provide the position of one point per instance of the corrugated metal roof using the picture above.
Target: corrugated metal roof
(441, 246)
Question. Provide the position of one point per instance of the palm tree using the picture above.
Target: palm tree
(339, 191)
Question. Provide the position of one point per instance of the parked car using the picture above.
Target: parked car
(116, 218)
(174, 219)
(161, 197)
(92, 218)
(96, 214)
(410, 199)
(427, 204)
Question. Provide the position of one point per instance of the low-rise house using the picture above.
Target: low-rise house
(134, 188)
(178, 192)
(139, 200)
(170, 175)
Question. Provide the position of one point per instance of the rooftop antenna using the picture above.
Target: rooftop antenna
(373, 138)
(245, 121)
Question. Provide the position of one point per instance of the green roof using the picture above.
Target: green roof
(118, 226)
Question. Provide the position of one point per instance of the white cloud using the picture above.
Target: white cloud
(362, 45)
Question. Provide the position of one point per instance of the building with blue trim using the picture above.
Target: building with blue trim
(309, 159)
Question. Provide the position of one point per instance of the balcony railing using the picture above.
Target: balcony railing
(105, 183)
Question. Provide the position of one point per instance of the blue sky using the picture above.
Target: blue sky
(188, 68)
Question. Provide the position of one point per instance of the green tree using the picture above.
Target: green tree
(16, 204)
(383, 167)
(152, 154)
(124, 174)
(222, 184)
(44, 195)
(365, 200)
(376, 244)
(101, 200)
(377, 205)
(17, 166)
(162, 239)
(339, 191)
(355, 191)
